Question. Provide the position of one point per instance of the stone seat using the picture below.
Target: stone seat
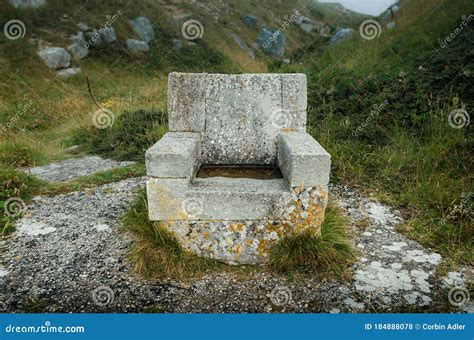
(236, 120)
(236, 199)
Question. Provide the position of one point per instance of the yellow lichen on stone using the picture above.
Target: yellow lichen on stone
(236, 227)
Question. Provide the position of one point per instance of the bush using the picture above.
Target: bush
(128, 139)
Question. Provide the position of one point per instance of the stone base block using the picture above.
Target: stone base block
(250, 242)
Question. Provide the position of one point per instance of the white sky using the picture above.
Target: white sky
(373, 7)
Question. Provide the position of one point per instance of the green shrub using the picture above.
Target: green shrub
(128, 139)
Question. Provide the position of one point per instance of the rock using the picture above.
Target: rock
(73, 149)
(68, 72)
(93, 38)
(79, 47)
(342, 34)
(27, 3)
(271, 41)
(178, 20)
(83, 26)
(74, 168)
(143, 28)
(108, 34)
(305, 23)
(55, 57)
(249, 20)
(243, 45)
(137, 47)
(177, 44)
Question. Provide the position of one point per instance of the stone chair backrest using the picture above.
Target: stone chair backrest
(239, 116)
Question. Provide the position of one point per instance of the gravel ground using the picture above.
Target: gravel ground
(69, 255)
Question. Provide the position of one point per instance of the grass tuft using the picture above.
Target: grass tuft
(156, 253)
(329, 254)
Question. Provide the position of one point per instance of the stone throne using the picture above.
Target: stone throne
(237, 171)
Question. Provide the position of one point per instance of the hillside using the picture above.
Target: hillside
(379, 106)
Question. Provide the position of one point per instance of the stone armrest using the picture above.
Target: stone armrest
(175, 155)
(302, 160)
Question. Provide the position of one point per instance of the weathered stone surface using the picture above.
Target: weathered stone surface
(166, 197)
(137, 47)
(143, 28)
(108, 34)
(249, 20)
(272, 41)
(55, 57)
(305, 23)
(66, 73)
(294, 92)
(83, 26)
(175, 155)
(240, 126)
(235, 198)
(249, 241)
(342, 34)
(27, 3)
(74, 168)
(186, 101)
(302, 160)
(93, 38)
(79, 47)
(240, 120)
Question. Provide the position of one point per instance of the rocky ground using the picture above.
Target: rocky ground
(70, 255)
(73, 168)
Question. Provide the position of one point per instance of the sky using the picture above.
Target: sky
(373, 7)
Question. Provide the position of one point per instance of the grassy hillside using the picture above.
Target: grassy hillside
(381, 109)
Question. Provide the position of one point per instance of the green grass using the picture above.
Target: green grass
(329, 254)
(405, 152)
(156, 253)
